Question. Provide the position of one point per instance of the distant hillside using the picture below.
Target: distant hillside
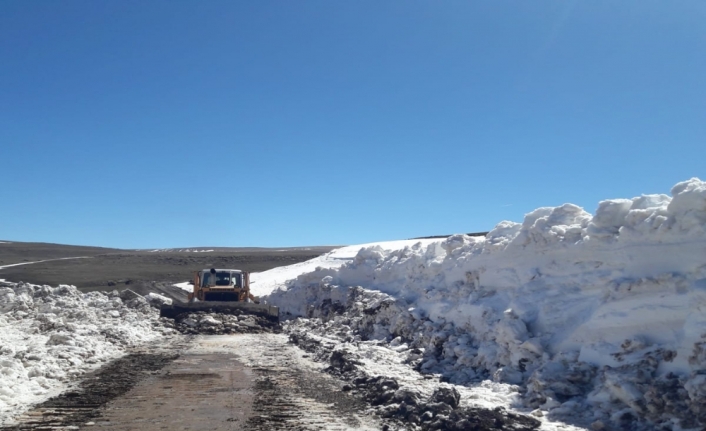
(19, 252)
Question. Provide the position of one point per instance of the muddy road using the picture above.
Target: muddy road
(216, 382)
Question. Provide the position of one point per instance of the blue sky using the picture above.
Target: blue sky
(282, 123)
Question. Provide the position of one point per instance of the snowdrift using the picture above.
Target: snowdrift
(599, 318)
(51, 335)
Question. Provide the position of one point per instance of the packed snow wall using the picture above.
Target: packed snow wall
(595, 316)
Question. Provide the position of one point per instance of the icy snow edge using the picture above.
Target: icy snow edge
(595, 316)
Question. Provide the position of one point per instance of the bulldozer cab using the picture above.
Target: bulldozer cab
(221, 278)
(222, 285)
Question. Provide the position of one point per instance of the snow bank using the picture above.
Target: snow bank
(50, 335)
(600, 318)
(264, 283)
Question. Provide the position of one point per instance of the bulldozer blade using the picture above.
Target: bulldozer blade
(268, 311)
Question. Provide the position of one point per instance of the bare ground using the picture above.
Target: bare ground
(108, 269)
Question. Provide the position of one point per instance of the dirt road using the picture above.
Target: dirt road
(233, 382)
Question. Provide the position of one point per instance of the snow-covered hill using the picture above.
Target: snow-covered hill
(599, 318)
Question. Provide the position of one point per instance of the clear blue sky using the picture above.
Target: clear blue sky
(280, 123)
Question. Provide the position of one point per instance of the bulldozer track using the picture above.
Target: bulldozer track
(230, 382)
(288, 399)
(290, 396)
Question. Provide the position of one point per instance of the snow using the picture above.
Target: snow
(392, 360)
(51, 335)
(264, 283)
(157, 299)
(617, 297)
(187, 286)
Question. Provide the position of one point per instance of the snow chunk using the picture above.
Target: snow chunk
(688, 206)
(609, 218)
(157, 299)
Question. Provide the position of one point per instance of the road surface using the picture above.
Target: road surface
(222, 382)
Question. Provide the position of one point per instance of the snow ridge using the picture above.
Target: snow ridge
(599, 318)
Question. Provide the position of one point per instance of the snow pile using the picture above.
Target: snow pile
(598, 318)
(50, 335)
(158, 300)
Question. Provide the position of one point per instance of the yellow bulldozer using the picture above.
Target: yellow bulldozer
(222, 285)
(222, 291)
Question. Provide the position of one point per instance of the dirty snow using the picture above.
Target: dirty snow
(51, 335)
(599, 319)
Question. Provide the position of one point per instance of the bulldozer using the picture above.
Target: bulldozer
(222, 291)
